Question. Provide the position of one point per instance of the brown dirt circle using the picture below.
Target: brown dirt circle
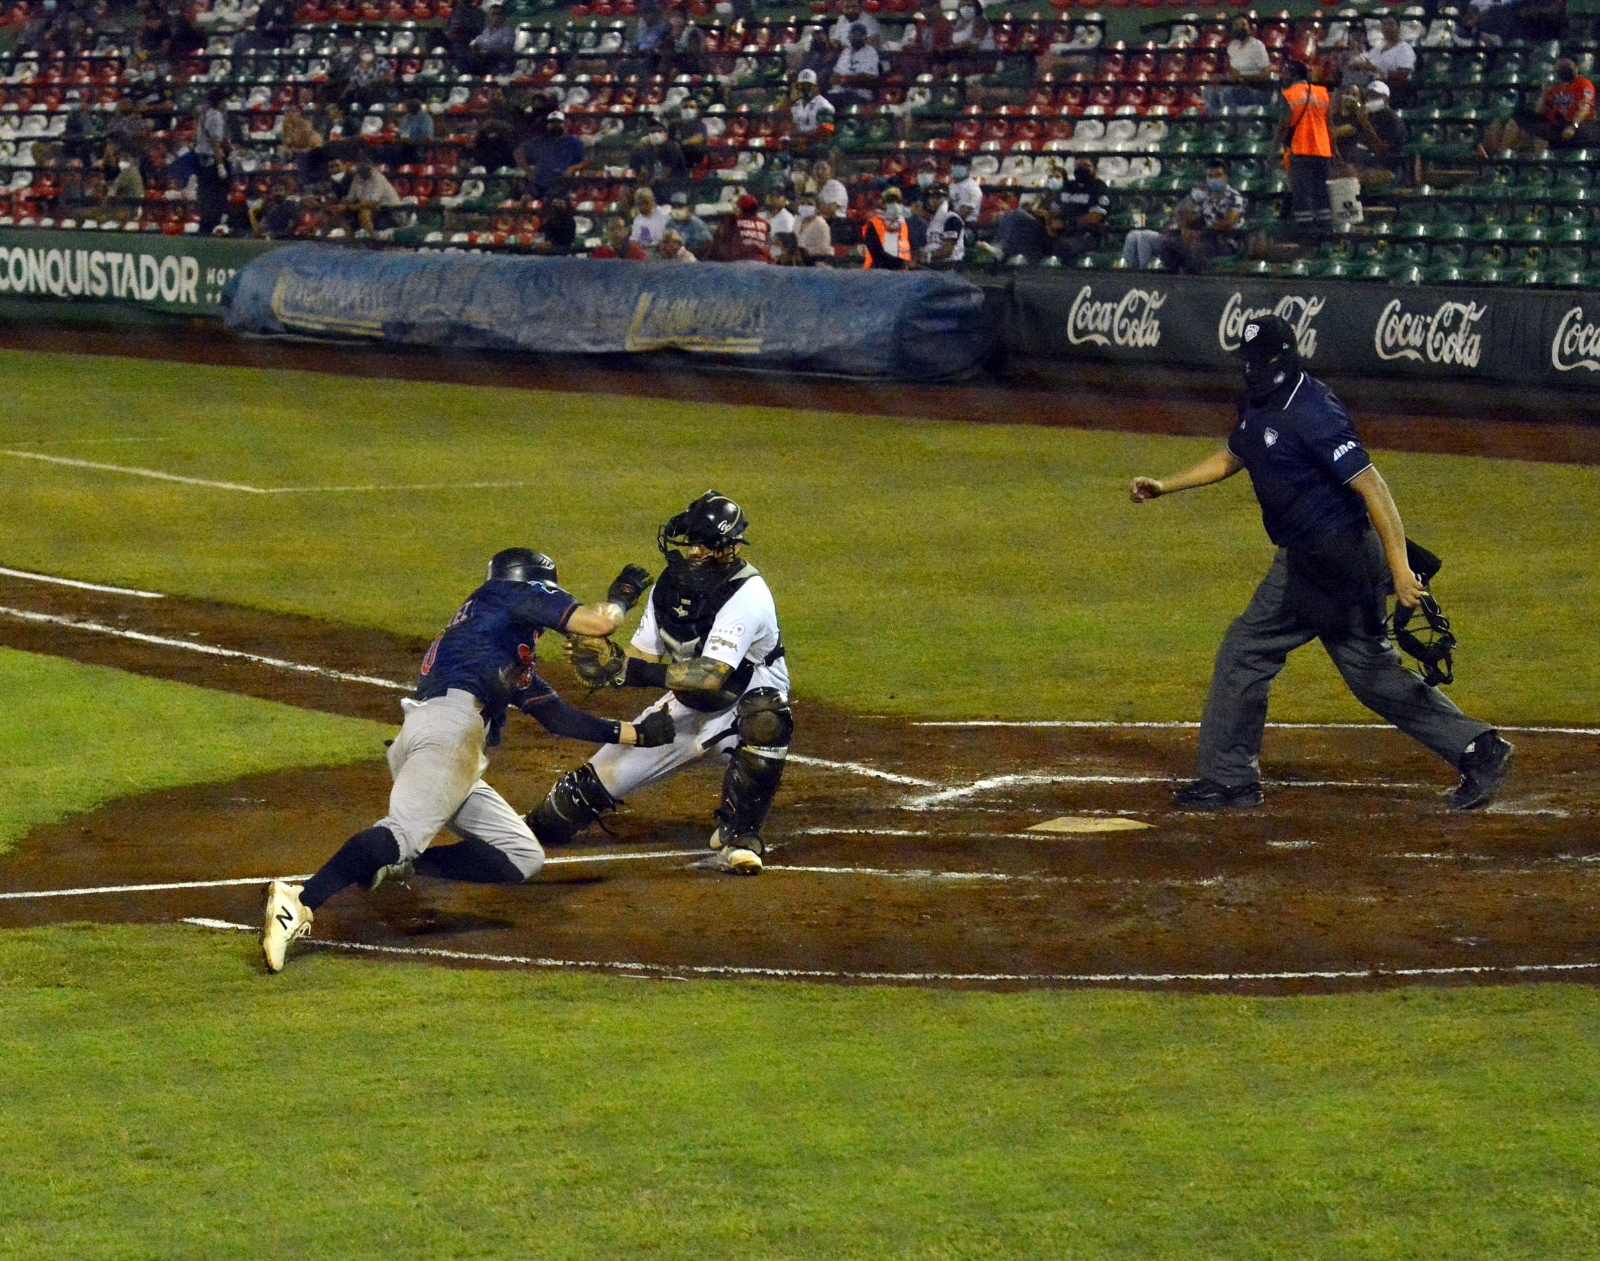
(929, 875)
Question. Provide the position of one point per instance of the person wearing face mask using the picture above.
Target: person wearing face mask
(946, 239)
(549, 159)
(1249, 72)
(1393, 60)
(887, 235)
(1206, 224)
(856, 72)
(1371, 138)
(827, 188)
(650, 221)
(966, 194)
(660, 160)
(1563, 118)
(1342, 551)
(811, 114)
(852, 15)
(815, 236)
(1080, 206)
(690, 227)
(690, 132)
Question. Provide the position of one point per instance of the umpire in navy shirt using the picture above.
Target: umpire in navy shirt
(1341, 553)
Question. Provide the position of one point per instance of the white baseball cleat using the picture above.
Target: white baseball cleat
(738, 856)
(286, 922)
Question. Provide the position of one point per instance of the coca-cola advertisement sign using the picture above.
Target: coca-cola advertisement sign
(1299, 311)
(1448, 336)
(1131, 321)
(1576, 344)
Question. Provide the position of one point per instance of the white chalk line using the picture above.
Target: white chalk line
(90, 891)
(933, 799)
(84, 586)
(996, 877)
(209, 650)
(241, 488)
(859, 768)
(1095, 724)
(822, 974)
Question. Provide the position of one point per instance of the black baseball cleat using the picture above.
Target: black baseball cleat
(1206, 795)
(1484, 766)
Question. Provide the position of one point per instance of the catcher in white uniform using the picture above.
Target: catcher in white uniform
(710, 638)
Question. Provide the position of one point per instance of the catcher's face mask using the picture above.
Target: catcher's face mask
(1431, 643)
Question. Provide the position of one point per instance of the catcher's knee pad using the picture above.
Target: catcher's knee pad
(765, 725)
(577, 800)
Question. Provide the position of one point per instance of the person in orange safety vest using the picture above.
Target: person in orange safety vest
(1307, 142)
(887, 234)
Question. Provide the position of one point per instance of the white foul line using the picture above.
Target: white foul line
(564, 859)
(860, 769)
(928, 800)
(820, 974)
(210, 650)
(158, 475)
(1095, 724)
(86, 586)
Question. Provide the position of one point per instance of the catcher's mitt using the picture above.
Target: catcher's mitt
(598, 662)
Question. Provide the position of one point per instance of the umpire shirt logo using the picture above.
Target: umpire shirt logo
(1297, 310)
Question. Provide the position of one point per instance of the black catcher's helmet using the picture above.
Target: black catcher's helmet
(1271, 355)
(522, 564)
(712, 520)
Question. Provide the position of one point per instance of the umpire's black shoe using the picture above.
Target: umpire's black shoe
(1206, 795)
(1484, 766)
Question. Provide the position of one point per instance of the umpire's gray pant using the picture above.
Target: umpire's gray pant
(1253, 652)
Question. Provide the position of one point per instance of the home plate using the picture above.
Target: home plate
(1090, 823)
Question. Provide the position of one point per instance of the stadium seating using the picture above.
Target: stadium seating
(1052, 87)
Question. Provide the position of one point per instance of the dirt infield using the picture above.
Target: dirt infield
(902, 850)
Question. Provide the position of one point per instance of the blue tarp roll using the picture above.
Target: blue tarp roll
(919, 325)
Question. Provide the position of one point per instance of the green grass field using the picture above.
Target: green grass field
(925, 568)
(160, 1098)
(76, 736)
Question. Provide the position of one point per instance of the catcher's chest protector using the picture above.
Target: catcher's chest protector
(684, 618)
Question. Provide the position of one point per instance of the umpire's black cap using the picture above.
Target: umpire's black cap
(1266, 337)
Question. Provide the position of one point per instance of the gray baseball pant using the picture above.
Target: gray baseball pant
(437, 762)
(1254, 651)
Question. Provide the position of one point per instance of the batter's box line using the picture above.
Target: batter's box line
(739, 972)
(935, 799)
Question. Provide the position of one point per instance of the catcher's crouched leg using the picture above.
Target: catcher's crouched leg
(765, 727)
(577, 800)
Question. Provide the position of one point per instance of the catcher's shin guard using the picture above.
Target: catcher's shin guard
(576, 801)
(765, 726)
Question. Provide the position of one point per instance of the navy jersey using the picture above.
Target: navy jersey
(1302, 454)
(488, 648)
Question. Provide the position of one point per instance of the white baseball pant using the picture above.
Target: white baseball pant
(437, 763)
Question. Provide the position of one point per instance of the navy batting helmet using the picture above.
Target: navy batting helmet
(522, 564)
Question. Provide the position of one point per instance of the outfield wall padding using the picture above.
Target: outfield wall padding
(921, 325)
(1539, 337)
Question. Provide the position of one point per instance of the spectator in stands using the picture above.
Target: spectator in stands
(549, 160)
(782, 225)
(371, 197)
(856, 72)
(1393, 60)
(155, 33)
(414, 133)
(465, 24)
(1206, 225)
(76, 143)
(367, 78)
(493, 50)
(302, 145)
(274, 25)
(966, 193)
(673, 250)
(887, 235)
(945, 243)
(660, 161)
(1564, 116)
(1079, 212)
(651, 40)
(1305, 136)
(811, 114)
(186, 37)
(822, 182)
(495, 145)
(690, 133)
(650, 221)
(619, 245)
(684, 49)
(852, 16)
(743, 237)
(1022, 233)
(557, 227)
(127, 188)
(690, 227)
(1370, 137)
(128, 135)
(1249, 72)
(277, 216)
(814, 239)
(211, 150)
